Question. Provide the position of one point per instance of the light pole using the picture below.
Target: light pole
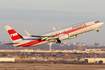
(50, 46)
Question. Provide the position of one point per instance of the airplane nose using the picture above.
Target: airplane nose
(102, 23)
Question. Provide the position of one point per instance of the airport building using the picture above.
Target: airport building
(95, 60)
(93, 50)
(80, 47)
(7, 59)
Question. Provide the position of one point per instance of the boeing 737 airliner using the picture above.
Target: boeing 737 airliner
(54, 36)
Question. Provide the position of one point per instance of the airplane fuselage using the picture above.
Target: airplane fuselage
(64, 33)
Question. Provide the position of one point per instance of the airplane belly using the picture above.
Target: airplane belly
(23, 43)
(31, 43)
(44, 42)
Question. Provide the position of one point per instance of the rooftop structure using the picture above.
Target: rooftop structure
(95, 60)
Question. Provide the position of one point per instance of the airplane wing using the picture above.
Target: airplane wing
(43, 37)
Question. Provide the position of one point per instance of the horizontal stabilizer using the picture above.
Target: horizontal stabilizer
(9, 43)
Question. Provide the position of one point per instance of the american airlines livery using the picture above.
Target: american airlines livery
(54, 36)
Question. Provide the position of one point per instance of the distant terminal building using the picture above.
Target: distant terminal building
(93, 50)
(80, 47)
(97, 44)
(95, 60)
(7, 59)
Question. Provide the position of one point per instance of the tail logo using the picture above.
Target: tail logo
(15, 34)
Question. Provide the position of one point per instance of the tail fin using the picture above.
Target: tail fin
(15, 36)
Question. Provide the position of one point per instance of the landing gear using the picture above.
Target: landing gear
(58, 41)
(97, 30)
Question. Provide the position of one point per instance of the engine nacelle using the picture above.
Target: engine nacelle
(63, 37)
(66, 36)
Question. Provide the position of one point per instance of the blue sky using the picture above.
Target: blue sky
(39, 16)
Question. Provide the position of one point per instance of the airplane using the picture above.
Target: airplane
(54, 36)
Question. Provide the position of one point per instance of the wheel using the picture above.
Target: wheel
(97, 30)
(58, 41)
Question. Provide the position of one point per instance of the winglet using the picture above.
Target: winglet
(27, 33)
(54, 28)
(7, 27)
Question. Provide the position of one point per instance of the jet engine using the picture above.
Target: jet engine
(65, 36)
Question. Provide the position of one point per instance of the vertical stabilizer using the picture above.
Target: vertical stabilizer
(15, 36)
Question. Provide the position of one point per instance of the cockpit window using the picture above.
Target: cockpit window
(97, 21)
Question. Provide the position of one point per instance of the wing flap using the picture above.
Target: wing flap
(46, 37)
(42, 37)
